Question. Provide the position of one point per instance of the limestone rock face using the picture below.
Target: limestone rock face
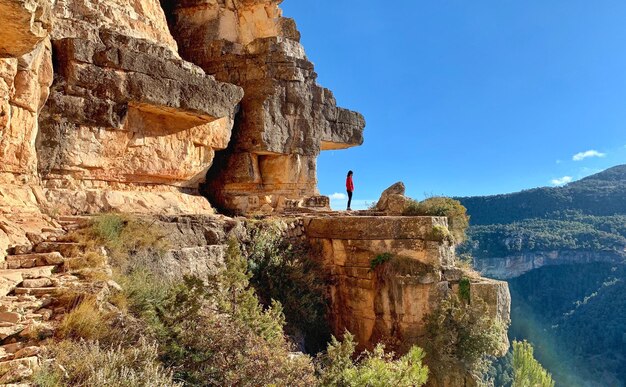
(129, 126)
(24, 85)
(25, 23)
(142, 19)
(123, 110)
(512, 266)
(388, 273)
(286, 119)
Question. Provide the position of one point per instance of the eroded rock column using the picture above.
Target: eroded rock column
(285, 120)
(25, 77)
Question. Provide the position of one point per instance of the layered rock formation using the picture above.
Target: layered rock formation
(515, 265)
(126, 114)
(286, 119)
(25, 24)
(130, 123)
(99, 112)
(25, 76)
(392, 303)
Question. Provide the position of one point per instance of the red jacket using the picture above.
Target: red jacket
(349, 184)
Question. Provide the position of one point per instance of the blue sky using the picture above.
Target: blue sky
(470, 97)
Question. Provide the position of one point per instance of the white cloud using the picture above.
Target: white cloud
(559, 161)
(590, 153)
(338, 196)
(561, 180)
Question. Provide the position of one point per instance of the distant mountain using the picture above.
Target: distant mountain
(601, 194)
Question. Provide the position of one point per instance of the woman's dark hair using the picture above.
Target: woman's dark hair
(349, 173)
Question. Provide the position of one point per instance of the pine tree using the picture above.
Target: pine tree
(527, 372)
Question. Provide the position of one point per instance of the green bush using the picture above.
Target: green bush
(464, 289)
(215, 333)
(288, 273)
(338, 366)
(458, 220)
(380, 259)
(463, 333)
(526, 370)
(440, 233)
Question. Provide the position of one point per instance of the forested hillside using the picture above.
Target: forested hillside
(565, 231)
(575, 315)
(601, 194)
(587, 215)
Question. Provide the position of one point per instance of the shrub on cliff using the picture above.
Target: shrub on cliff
(212, 332)
(216, 333)
(338, 366)
(460, 332)
(287, 273)
(526, 370)
(458, 220)
(123, 236)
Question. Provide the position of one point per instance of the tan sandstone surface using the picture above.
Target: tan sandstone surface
(286, 118)
(391, 304)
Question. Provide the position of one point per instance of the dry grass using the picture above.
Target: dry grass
(83, 322)
(123, 236)
(89, 364)
(90, 259)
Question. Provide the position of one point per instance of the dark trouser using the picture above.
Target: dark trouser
(349, 198)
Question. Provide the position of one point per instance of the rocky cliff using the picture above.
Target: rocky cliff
(390, 274)
(515, 265)
(285, 118)
(152, 107)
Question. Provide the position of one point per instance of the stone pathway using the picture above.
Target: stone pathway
(31, 279)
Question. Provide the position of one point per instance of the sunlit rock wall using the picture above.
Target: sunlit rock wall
(285, 120)
(390, 304)
(129, 126)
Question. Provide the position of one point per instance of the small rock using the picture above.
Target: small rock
(10, 317)
(10, 331)
(22, 249)
(392, 200)
(114, 285)
(13, 347)
(45, 313)
(452, 274)
(4, 356)
(37, 283)
(27, 352)
(18, 369)
(34, 238)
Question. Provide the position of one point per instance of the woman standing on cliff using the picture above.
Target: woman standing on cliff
(350, 189)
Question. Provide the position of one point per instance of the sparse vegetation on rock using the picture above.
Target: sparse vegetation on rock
(458, 220)
(462, 332)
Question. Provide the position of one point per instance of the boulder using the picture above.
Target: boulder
(392, 201)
